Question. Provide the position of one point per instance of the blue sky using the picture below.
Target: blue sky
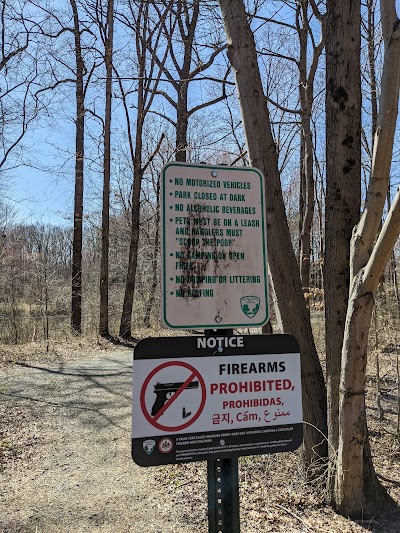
(39, 197)
(42, 190)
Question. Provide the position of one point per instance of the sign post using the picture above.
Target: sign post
(223, 496)
(219, 396)
(223, 487)
(214, 250)
(215, 398)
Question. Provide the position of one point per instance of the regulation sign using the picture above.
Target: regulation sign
(198, 398)
(214, 250)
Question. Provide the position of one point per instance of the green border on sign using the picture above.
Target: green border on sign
(163, 247)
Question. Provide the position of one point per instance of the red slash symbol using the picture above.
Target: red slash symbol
(176, 389)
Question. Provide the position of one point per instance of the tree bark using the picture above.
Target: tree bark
(156, 252)
(306, 95)
(105, 219)
(182, 118)
(371, 63)
(76, 303)
(182, 112)
(368, 226)
(284, 269)
(343, 186)
(352, 421)
(358, 491)
(125, 329)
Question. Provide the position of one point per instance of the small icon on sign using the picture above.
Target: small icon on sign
(185, 413)
(250, 305)
(165, 445)
(148, 446)
(164, 391)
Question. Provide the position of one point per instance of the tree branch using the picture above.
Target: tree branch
(155, 152)
(12, 54)
(204, 66)
(383, 247)
(368, 226)
(167, 97)
(282, 108)
(206, 104)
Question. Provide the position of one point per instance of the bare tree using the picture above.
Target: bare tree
(306, 62)
(147, 36)
(285, 274)
(19, 76)
(343, 187)
(81, 80)
(156, 251)
(76, 301)
(105, 229)
(188, 60)
(306, 90)
(358, 490)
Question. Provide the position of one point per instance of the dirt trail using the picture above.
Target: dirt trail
(79, 476)
(65, 445)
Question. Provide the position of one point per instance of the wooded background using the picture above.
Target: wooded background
(307, 91)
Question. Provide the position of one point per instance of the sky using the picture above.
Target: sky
(42, 189)
(39, 198)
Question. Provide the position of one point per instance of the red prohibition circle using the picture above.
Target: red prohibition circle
(147, 415)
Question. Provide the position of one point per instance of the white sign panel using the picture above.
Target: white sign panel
(227, 401)
(214, 250)
(201, 394)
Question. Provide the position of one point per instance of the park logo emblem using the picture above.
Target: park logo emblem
(149, 445)
(250, 305)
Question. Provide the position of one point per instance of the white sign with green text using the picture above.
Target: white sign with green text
(214, 249)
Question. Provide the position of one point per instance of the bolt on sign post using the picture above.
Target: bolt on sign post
(216, 398)
(214, 250)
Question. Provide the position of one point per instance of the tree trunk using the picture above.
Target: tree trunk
(154, 283)
(321, 241)
(76, 304)
(371, 62)
(105, 227)
(125, 329)
(358, 491)
(187, 33)
(308, 192)
(182, 121)
(307, 185)
(343, 186)
(146, 91)
(352, 421)
(284, 269)
(393, 262)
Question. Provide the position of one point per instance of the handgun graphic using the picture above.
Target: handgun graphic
(164, 391)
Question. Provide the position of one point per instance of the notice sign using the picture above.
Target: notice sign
(214, 250)
(198, 398)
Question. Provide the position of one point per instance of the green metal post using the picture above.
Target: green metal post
(223, 485)
(223, 496)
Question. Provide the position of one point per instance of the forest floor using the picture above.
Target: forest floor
(65, 463)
